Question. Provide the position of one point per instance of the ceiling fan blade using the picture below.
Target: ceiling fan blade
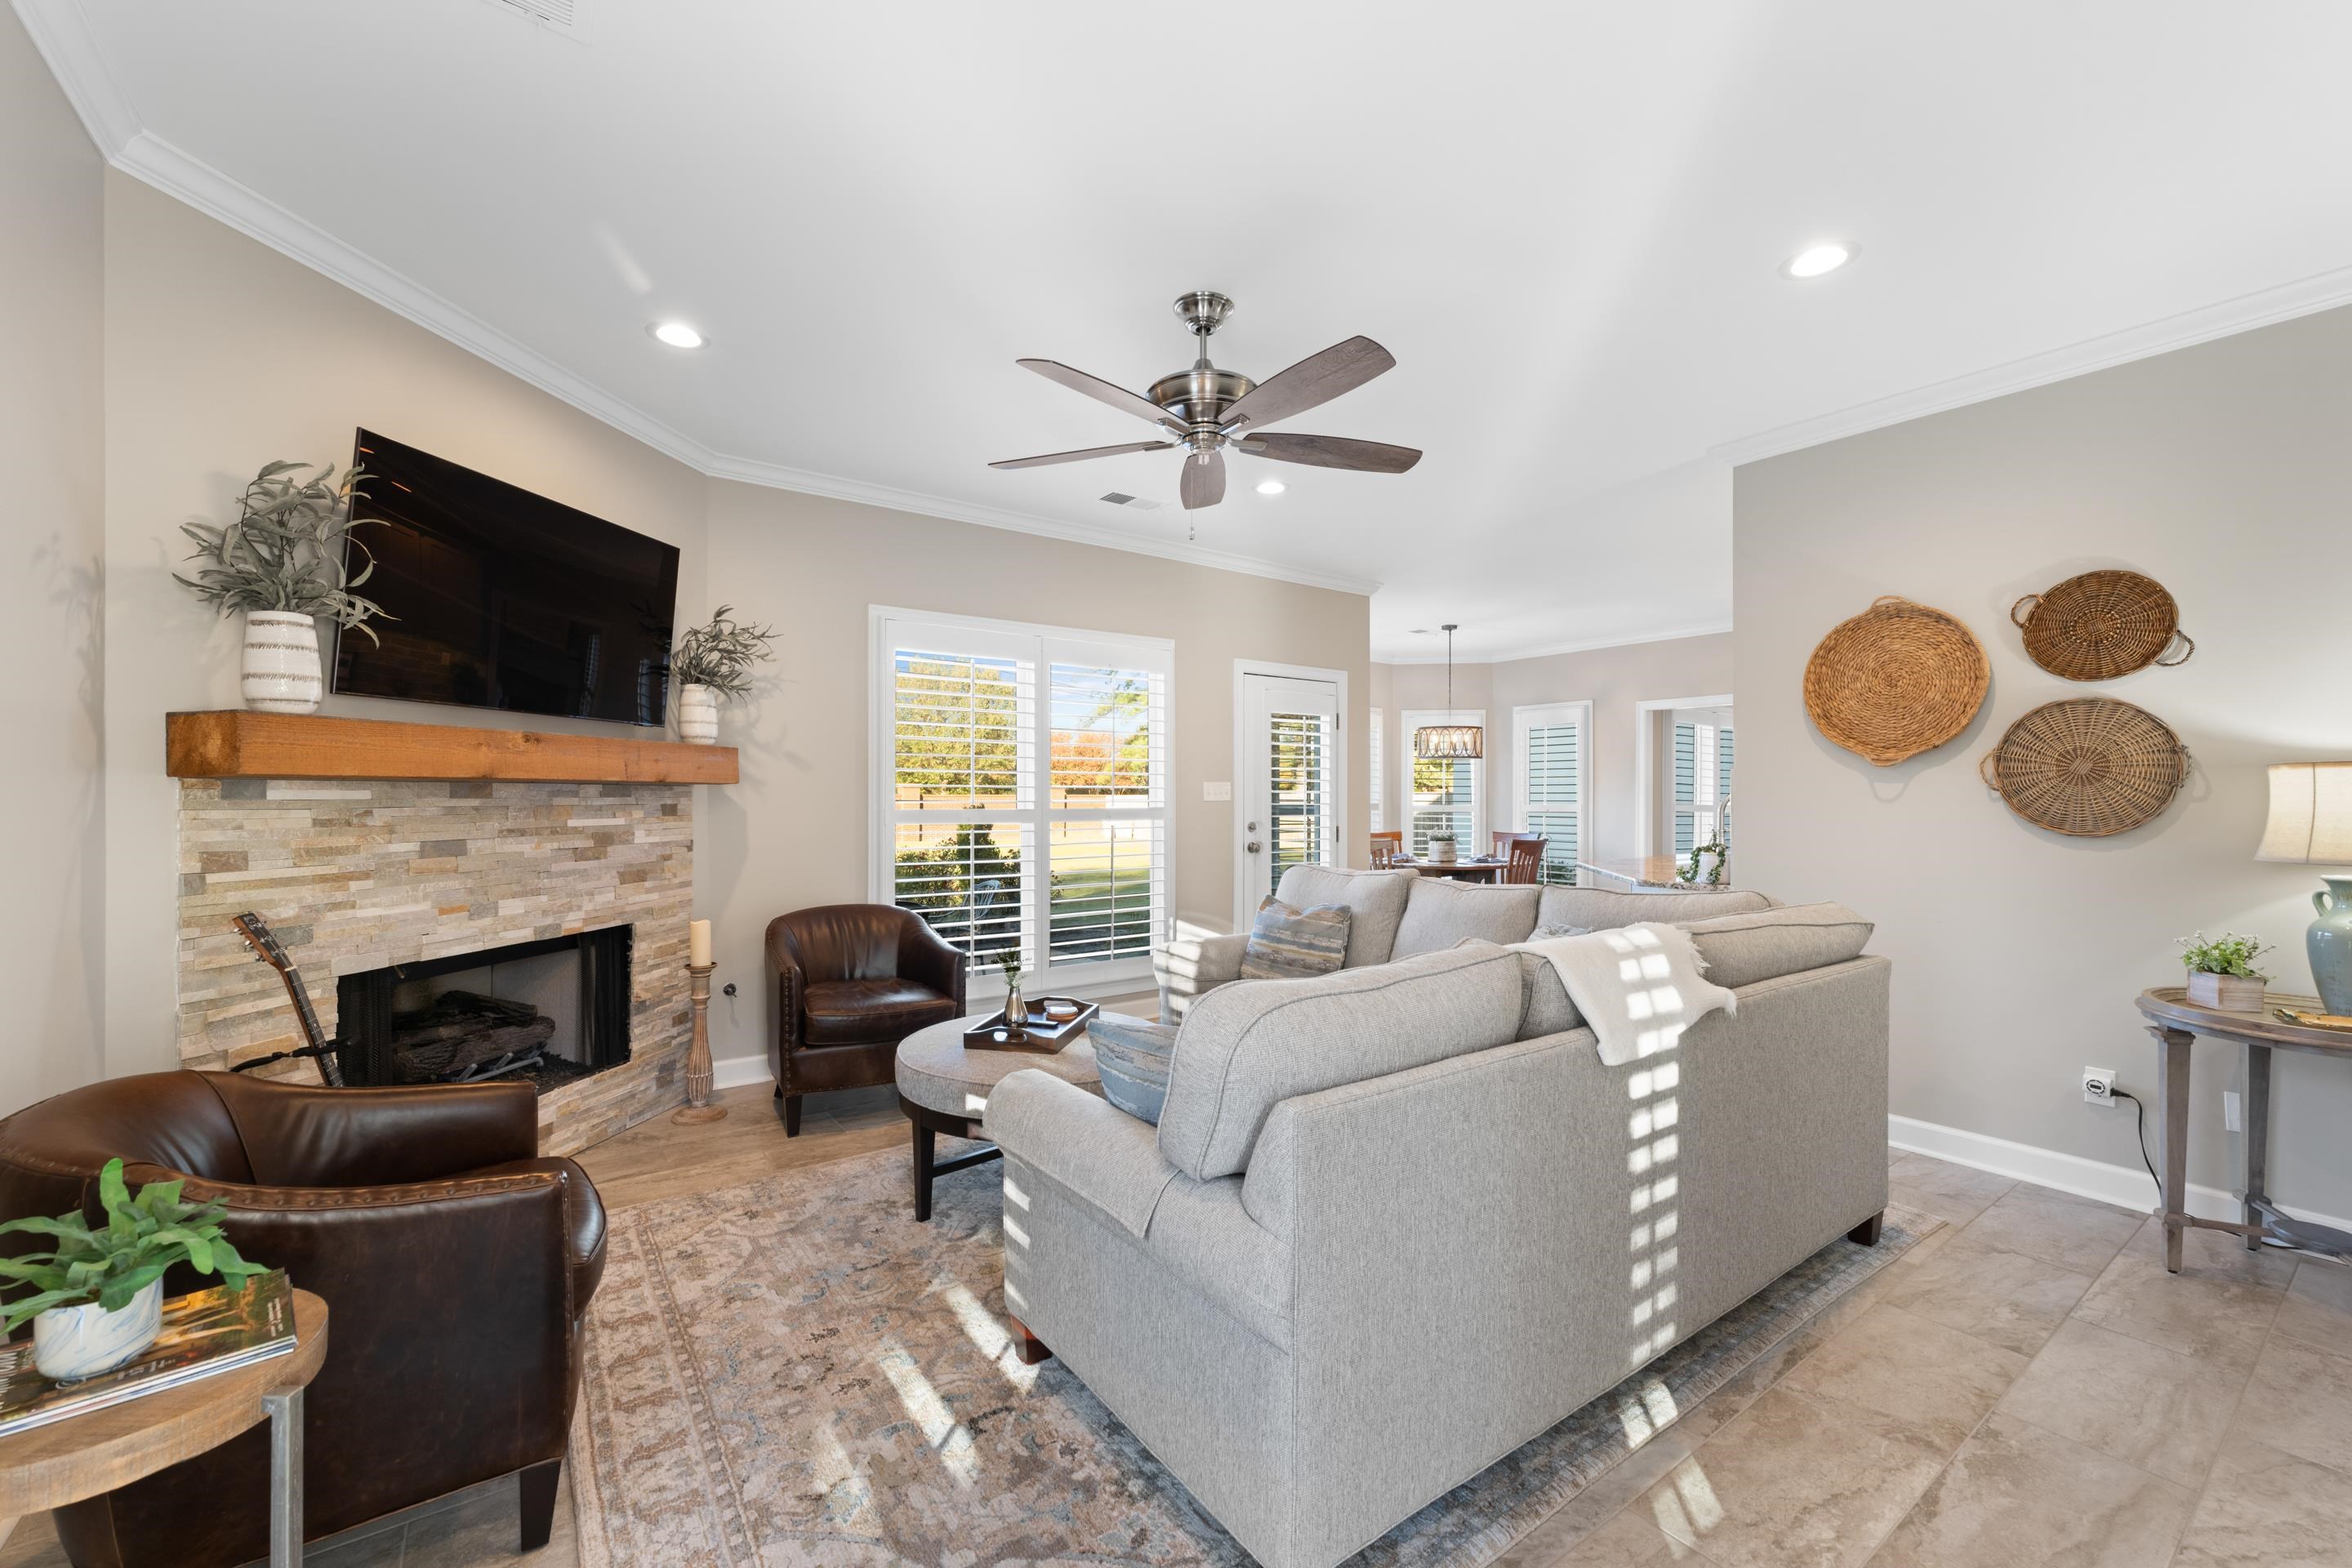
(1204, 480)
(1096, 387)
(1081, 457)
(1331, 452)
(1313, 381)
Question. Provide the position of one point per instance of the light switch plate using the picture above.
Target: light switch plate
(1216, 791)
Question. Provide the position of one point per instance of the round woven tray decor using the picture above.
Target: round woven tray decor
(1895, 680)
(2102, 624)
(2088, 766)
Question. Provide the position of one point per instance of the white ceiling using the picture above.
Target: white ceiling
(1566, 221)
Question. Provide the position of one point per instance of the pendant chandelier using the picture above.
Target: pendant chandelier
(1449, 742)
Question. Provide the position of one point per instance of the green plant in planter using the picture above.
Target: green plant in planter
(143, 1236)
(288, 550)
(1722, 853)
(2229, 953)
(721, 654)
(1008, 963)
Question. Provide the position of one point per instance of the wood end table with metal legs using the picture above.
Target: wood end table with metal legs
(2175, 1023)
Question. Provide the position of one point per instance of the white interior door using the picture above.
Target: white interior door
(1288, 790)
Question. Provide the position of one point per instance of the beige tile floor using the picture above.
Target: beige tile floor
(2027, 1386)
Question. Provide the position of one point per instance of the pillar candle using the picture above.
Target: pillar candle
(697, 943)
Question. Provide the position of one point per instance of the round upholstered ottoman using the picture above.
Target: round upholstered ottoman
(943, 1088)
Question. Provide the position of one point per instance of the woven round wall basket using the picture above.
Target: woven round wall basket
(2102, 624)
(2087, 766)
(1897, 679)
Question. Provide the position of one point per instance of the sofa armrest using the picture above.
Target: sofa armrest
(1190, 967)
(785, 964)
(1091, 1149)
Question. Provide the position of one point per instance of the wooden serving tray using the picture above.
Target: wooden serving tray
(1042, 1035)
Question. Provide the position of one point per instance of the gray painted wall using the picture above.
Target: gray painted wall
(2223, 471)
(52, 449)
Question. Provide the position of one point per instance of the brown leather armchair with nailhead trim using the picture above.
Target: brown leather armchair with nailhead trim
(455, 1263)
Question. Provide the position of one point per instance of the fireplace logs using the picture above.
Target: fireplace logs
(463, 1034)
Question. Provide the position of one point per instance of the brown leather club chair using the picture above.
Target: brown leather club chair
(852, 980)
(455, 1265)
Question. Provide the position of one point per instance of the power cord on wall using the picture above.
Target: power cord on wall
(2139, 1113)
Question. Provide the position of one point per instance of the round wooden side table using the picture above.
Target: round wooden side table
(83, 1455)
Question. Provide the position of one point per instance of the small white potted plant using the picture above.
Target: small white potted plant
(1441, 848)
(2222, 972)
(285, 562)
(97, 1296)
(714, 661)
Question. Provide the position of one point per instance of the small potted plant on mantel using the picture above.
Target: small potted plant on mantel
(2222, 972)
(285, 562)
(714, 661)
(97, 1296)
(1441, 848)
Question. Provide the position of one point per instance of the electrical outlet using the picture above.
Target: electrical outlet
(2232, 1119)
(2098, 1086)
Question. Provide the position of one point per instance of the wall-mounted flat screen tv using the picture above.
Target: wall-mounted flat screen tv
(499, 598)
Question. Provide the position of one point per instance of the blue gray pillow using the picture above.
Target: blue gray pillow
(1132, 1057)
(1289, 943)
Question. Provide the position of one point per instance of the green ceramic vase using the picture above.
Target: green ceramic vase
(2329, 943)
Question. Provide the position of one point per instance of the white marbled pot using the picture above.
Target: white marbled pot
(70, 1344)
(698, 715)
(281, 662)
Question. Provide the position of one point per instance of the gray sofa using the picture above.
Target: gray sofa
(1398, 1219)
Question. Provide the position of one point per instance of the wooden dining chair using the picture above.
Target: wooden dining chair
(1526, 858)
(1386, 848)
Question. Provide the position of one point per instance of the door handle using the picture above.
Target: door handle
(1253, 846)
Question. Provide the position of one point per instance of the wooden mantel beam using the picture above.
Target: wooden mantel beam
(233, 743)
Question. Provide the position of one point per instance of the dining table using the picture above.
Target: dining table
(1474, 869)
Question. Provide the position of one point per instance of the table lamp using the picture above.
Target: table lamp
(2311, 823)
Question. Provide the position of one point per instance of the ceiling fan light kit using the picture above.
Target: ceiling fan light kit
(1207, 411)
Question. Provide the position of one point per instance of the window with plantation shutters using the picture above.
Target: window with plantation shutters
(1297, 756)
(1702, 782)
(1022, 793)
(1380, 816)
(1445, 792)
(1552, 781)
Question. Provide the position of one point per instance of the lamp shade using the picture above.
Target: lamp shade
(2311, 814)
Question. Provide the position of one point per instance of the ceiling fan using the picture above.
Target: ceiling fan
(1205, 410)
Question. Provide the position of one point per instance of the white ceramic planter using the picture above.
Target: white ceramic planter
(2229, 992)
(698, 715)
(281, 662)
(1442, 850)
(70, 1344)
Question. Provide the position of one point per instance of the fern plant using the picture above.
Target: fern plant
(144, 1236)
(721, 654)
(288, 550)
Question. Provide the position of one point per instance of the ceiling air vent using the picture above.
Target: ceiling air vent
(556, 14)
(1119, 498)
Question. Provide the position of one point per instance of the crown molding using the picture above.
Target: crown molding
(1546, 650)
(2265, 307)
(63, 37)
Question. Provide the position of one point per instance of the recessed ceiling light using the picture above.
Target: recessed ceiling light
(1816, 259)
(1271, 487)
(678, 334)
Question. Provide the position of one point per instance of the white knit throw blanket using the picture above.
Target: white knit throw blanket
(1638, 986)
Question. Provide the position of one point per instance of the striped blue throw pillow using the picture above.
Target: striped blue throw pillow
(1133, 1056)
(1288, 943)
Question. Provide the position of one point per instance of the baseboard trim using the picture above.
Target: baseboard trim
(740, 1072)
(2122, 1185)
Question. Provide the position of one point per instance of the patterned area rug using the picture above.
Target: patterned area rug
(794, 1372)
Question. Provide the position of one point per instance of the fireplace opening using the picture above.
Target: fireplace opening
(547, 1012)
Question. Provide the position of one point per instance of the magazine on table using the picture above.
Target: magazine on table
(204, 1333)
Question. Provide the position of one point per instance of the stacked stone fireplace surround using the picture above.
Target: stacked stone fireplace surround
(359, 875)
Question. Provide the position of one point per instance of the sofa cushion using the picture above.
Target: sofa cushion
(1132, 1057)
(1243, 1049)
(1374, 899)
(1291, 944)
(1598, 908)
(1741, 949)
(852, 1012)
(1548, 1010)
(1440, 913)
